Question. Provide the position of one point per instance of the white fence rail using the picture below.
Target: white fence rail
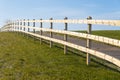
(102, 22)
(20, 26)
(110, 41)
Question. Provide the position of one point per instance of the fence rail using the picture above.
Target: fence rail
(102, 22)
(24, 26)
(110, 41)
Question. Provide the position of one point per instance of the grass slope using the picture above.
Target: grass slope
(107, 33)
(24, 59)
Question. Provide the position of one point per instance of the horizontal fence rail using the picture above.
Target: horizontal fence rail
(110, 41)
(25, 27)
(102, 22)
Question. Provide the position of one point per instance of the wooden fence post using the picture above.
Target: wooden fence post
(34, 29)
(88, 40)
(24, 26)
(65, 35)
(28, 28)
(18, 25)
(28, 25)
(41, 25)
(21, 26)
(14, 26)
(51, 34)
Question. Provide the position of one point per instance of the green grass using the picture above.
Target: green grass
(107, 33)
(111, 34)
(24, 59)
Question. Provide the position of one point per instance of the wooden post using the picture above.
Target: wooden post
(15, 26)
(12, 26)
(18, 24)
(28, 28)
(51, 34)
(41, 25)
(28, 25)
(65, 36)
(24, 26)
(88, 40)
(21, 26)
(34, 26)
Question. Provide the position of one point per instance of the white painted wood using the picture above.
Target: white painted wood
(102, 22)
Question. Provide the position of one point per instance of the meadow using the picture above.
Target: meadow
(22, 58)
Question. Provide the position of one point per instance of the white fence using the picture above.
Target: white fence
(21, 26)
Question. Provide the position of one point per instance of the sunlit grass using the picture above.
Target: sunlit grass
(24, 59)
(107, 33)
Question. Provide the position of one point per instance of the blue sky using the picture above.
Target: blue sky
(58, 9)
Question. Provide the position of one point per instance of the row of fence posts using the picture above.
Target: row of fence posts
(51, 33)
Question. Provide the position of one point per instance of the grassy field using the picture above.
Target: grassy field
(24, 59)
(107, 33)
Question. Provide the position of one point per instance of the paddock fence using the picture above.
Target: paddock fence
(37, 31)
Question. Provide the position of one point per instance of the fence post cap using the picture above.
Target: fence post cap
(89, 17)
(51, 18)
(65, 18)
